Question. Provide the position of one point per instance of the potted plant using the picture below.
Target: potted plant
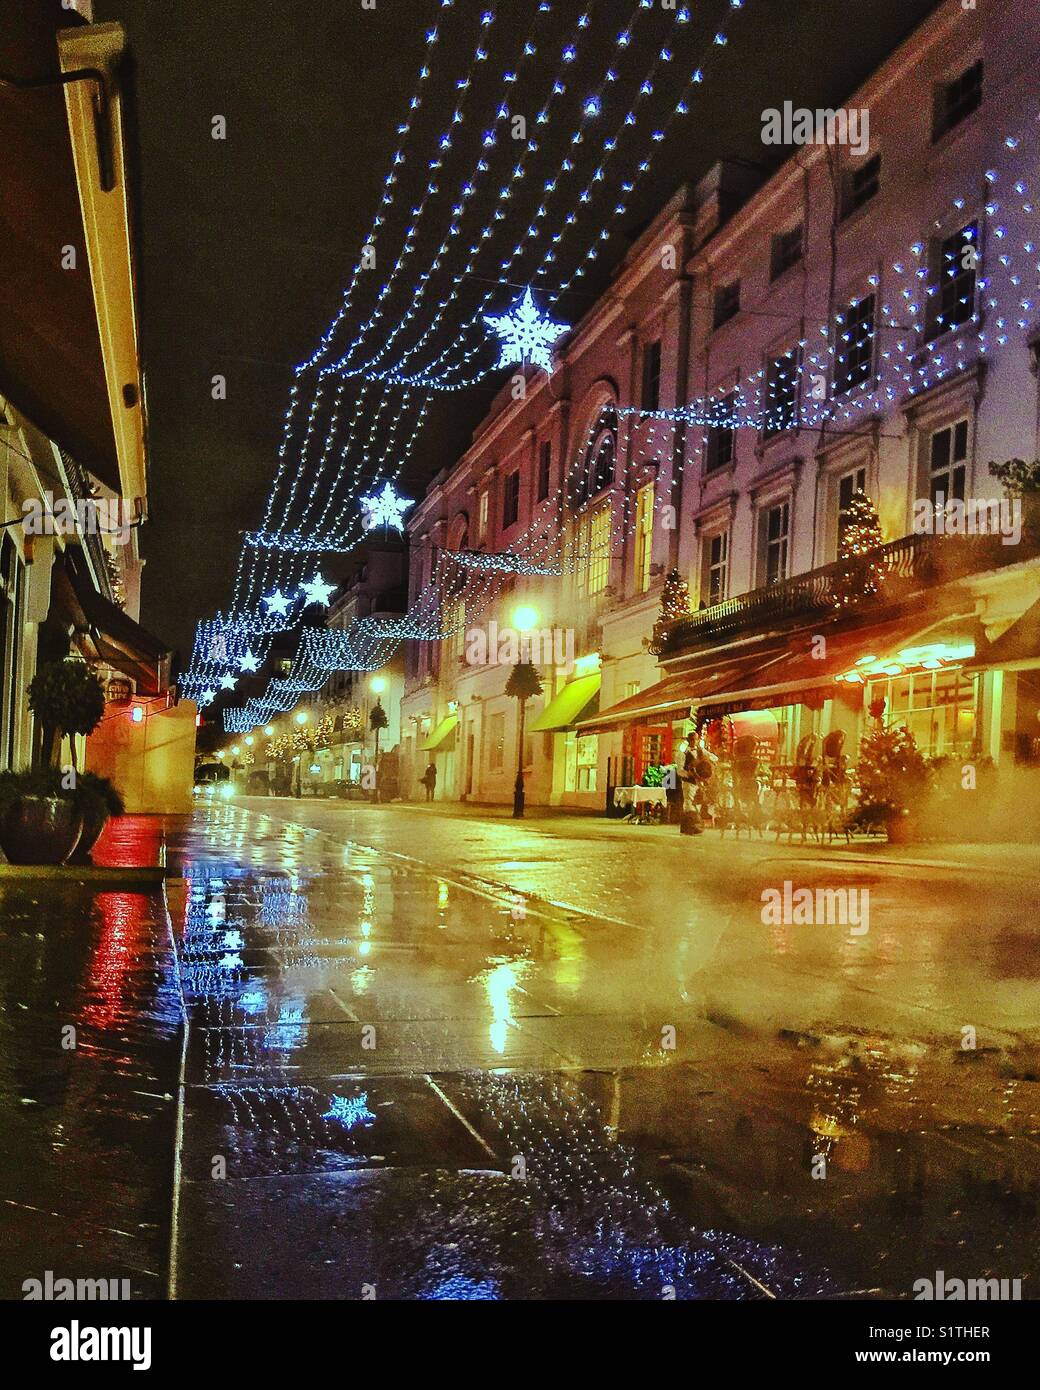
(40, 817)
(97, 800)
(893, 782)
(42, 811)
(1021, 480)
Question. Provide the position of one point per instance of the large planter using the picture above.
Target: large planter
(95, 818)
(39, 829)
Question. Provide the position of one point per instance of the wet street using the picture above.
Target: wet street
(435, 1056)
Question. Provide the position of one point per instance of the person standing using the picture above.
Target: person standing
(429, 780)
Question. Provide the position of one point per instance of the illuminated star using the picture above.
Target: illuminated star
(277, 603)
(207, 697)
(317, 591)
(527, 335)
(248, 662)
(385, 509)
(228, 681)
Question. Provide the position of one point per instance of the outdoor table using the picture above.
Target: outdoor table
(638, 798)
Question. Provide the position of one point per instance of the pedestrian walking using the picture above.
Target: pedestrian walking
(429, 780)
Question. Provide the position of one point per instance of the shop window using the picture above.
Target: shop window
(496, 742)
(722, 438)
(954, 269)
(644, 536)
(938, 707)
(854, 346)
(948, 462)
(580, 759)
(715, 568)
(956, 100)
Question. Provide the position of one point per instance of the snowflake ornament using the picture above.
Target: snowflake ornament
(385, 509)
(527, 335)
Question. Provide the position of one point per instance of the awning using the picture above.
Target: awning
(1016, 649)
(105, 632)
(51, 366)
(442, 732)
(564, 708)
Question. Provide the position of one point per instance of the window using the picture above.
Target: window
(848, 486)
(544, 470)
(652, 375)
(727, 303)
(854, 346)
(601, 474)
(786, 252)
(644, 536)
(482, 516)
(511, 500)
(860, 185)
(781, 394)
(632, 688)
(775, 525)
(956, 100)
(938, 707)
(948, 463)
(955, 261)
(715, 568)
(722, 438)
(592, 552)
(496, 742)
(581, 754)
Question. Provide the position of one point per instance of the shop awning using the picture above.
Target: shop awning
(441, 733)
(563, 709)
(1016, 649)
(104, 632)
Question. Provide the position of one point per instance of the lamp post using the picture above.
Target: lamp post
(523, 684)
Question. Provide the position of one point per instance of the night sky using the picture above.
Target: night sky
(245, 245)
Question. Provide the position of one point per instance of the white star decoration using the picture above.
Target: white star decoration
(277, 603)
(317, 591)
(207, 697)
(526, 334)
(228, 681)
(248, 662)
(385, 509)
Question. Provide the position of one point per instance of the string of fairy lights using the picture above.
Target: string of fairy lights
(894, 321)
(232, 630)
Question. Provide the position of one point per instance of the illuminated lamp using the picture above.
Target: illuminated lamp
(250, 741)
(137, 714)
(269, 731)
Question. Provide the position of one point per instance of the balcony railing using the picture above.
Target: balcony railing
(904, 567)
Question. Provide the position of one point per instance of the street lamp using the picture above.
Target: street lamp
(269, 731)
(301, 716)
(523, 684)
(377, 684)
(250, 741)
(525, 618)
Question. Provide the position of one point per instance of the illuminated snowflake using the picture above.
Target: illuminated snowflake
(350, 1111)
(526, 334)
(385, 509)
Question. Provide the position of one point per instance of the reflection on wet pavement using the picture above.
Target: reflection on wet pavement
(397, 1086)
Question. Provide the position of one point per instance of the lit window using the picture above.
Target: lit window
(482, 516)
(644, 536)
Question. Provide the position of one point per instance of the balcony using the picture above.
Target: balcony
(907, 566)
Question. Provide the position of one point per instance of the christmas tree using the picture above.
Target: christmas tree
(859, 576)
(675, 604)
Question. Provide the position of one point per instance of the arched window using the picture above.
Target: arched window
(600, 457)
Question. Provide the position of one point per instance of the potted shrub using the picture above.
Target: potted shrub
(97, 800)
(893, 782)
(40, 817)
(42, 811)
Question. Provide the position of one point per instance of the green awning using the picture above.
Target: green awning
(563, 709)
(441, 733)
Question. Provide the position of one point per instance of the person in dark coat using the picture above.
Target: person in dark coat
(429, 780)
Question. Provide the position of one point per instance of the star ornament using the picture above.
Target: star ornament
(277, 603)
(248, 662)
(228, 681)
(317, 591)
(208, 696)
(385, 509)
(526, 334)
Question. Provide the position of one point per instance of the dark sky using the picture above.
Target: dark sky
(244, 245)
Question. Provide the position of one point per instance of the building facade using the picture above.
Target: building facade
(863, 322)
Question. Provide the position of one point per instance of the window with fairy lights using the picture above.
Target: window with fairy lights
(597, 471)
(722, 436)
(854, 338)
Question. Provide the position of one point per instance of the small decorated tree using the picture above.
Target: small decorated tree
(893, 779)
(524, 684)
(675, 604)
(859, 576)
(67, 698)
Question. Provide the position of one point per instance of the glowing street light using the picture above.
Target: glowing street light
(269, 731)
(301, 716)
(525, 618)
(250, 741)
(377, 684)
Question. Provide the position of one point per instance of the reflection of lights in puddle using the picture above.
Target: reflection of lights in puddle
(350, 1111)
(361, 978)
(463, 1289)
(499, 983)
(364, 948)
(442, 895)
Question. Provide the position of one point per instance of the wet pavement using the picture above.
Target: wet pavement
(434, 1059)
